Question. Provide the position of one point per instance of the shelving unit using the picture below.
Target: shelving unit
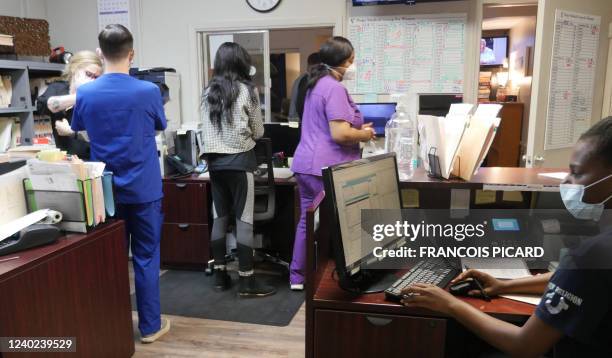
(21, 103)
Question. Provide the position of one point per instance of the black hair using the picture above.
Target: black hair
(601, 135)
(314, 59)
(333, 53)
(116, 42)
(232, 67)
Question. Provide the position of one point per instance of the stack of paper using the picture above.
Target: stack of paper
(6, 91)
(27, 151)
(6, 40)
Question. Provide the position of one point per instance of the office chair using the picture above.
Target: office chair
(265, 200)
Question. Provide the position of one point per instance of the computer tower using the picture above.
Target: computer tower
(186, 146)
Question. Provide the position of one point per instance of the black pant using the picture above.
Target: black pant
(233, 193)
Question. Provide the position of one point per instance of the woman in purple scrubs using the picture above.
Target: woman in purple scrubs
(332, 128)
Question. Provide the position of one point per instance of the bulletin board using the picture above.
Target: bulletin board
(408, 54)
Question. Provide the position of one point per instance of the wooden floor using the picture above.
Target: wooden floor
(195, 337)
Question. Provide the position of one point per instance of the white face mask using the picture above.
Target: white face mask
(349, 74)
(572, 195)
(252, 71)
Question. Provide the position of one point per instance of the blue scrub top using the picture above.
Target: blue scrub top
(121, 115)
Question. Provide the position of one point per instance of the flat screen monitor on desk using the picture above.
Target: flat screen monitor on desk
(285, 138)
(438, 104)
(378, 114)
(370, 183)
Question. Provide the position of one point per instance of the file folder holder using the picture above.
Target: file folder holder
(434, 164)
(70, 203)
(435, 170)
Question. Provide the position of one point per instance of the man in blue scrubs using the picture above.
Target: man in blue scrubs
(121, 115)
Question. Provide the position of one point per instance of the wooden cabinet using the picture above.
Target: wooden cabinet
(340, 334)
(506, 148)
(185, 241)
(76, 287)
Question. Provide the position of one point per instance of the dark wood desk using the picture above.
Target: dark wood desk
(76, 287)
(187, 207)
(341, 324)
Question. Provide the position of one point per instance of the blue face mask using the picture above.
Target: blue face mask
(572, 195)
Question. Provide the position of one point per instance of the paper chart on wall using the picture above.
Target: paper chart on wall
(572, 78)
(417, 54)
(113, 12)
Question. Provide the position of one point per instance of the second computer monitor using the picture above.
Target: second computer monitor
(378, 114)
(438, 104)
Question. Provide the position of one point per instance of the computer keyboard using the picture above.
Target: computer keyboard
(432, 271)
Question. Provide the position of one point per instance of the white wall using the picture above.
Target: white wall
(165, 30)
(74, 24)
(33, 9)
(168, 31)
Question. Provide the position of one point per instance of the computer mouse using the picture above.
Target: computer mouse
(462, 288)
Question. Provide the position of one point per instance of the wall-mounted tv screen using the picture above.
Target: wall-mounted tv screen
(377, 2)
(493, 50)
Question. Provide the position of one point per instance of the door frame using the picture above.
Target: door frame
(203, 51)
(336, 23)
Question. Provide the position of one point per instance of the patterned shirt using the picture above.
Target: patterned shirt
(238, 136)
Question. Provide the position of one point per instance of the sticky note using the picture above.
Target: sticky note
(485, 197)
(460, 199)
(410, 198)
(513, 196)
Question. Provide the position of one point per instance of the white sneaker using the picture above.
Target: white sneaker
(297, 287)
(165, 327)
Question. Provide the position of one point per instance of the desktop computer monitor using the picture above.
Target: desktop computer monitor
(438, 104)
(370, 183)
(285, 138)
(377, 113)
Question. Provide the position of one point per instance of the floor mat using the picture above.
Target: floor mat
(191, 294)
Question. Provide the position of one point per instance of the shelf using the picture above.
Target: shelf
(11, 110)
(12, 65)
(45, 66)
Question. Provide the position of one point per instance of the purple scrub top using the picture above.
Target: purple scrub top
(328, 100)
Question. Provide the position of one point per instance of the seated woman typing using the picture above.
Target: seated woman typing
(574, 317)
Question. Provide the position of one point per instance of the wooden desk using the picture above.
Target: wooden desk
(76, 287)
(340, 324)
(187, 207)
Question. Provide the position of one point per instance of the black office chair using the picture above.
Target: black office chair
(265, 200)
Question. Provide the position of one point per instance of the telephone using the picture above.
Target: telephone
(175, 162)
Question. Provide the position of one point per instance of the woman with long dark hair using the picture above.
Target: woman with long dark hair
(231, 119)
(332, 128)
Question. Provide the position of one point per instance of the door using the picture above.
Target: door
(607, 106)
(257, 45)
(552, 133)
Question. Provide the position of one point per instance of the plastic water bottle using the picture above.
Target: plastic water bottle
(401, 138)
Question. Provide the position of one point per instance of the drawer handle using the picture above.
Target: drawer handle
(183, 227)
(379, 322)
(181, 185)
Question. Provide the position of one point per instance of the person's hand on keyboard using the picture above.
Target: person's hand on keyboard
(430, 297)
(492, 286)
